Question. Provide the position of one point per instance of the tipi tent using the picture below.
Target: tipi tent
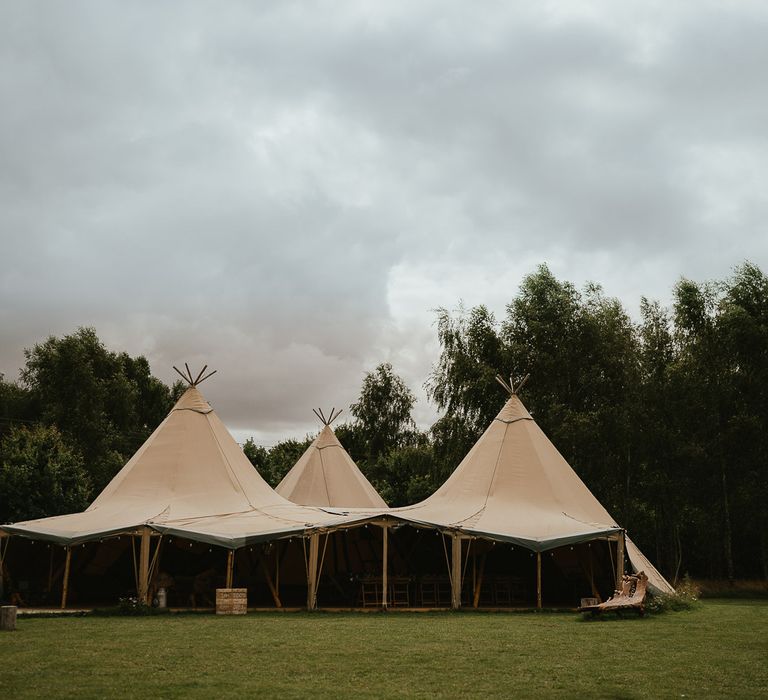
(515, 486)
(326, 475)
(189, 468)
(190, 473)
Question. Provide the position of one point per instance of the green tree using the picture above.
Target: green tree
(258, 457)
(383, 412)
(743, 331)
(463, 382)
(41, 474)
(282, 457)
(104, 402)
(17, 406)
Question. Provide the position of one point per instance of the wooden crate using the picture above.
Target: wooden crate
(231, 601)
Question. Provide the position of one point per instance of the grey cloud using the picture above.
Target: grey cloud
(244, 184)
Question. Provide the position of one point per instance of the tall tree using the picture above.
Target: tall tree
(383, 411)
(104, 402)
(41, 474)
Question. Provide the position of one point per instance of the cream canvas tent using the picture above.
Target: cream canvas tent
(326, 475)
(514, 486)
(189, 468)
(189, 472)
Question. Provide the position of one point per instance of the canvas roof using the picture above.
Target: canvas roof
(326, 475)
(515, 486)
(190, 468)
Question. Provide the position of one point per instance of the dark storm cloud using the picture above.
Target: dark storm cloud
(284, 190)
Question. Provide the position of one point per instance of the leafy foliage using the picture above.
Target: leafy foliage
(40, 474)
(106, 403)
(383, 411)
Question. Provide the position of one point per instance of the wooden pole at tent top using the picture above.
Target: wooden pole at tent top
(143, 592)
(456, 571)
(230, 568)
(538, 580)
(384, 565)
(314, 546)
(65, 584)
(620, 560)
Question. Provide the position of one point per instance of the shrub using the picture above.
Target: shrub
(133, 606)
(685, 597)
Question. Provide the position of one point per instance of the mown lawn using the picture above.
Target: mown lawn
(717, 650)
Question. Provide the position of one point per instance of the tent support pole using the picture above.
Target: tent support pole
(5, 537)
(479, 583)
(50, 573)
(620, 560)
(384, 565)
(65, 585)
(270, 584)
(456, 571)
(538, 580)
(143, 592)
(230, 568)
(314, 546)
(277, 567)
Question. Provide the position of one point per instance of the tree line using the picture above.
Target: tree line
(664, 418)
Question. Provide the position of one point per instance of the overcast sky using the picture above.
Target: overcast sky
(285, 190)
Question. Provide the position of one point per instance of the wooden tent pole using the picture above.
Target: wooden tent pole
(230, 568)
(270, 584)
(314, 546)
(50, 573)
(538, 580)
(3, 551)
(620, 560)
(65, 585)
(456, 571)
(384, 565)
(479, 584)
(277, 567)
(143, 592)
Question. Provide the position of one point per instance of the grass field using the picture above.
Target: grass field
(717, 650)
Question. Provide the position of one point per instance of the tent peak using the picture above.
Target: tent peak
(510, 387)
(188, 376)
(332, 416)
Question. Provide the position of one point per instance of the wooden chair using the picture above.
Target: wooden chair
(370, 593)
(399, 593)
(630, 597)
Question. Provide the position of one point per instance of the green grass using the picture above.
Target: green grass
(717, 650)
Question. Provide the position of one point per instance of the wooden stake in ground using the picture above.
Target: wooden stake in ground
(456, 571)
(8, 618)
(538, 580)
(65, 584)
